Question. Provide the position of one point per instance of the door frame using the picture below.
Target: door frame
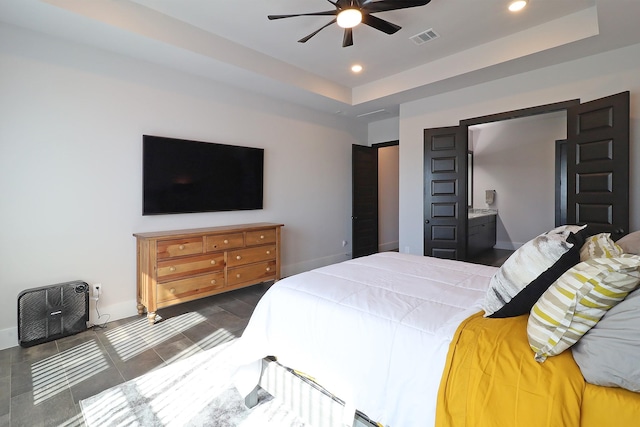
(375, 146)
(507, 115)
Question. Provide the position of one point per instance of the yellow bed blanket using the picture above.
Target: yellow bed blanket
(491, 380)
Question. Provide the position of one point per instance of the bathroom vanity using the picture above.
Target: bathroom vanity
(481, 231)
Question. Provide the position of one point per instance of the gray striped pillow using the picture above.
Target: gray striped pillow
(575, 302)
(526, 264)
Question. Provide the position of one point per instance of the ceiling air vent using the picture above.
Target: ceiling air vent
(424, 36)
(380, 112)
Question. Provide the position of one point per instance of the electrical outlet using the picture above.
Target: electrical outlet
(96, 290)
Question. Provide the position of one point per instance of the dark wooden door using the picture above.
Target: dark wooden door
(598, 165)
(364, 219)
(445, 193)
(561, 182)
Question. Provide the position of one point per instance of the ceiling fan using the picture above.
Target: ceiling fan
(350, 13)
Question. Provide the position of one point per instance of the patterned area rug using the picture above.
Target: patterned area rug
(197, 391)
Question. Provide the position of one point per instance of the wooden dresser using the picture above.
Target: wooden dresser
(182, 265)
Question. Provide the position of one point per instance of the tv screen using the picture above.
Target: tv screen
(182, 176)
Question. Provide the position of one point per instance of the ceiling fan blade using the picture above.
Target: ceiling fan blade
(372, 6)
(380, 24)
(347, 40)
(326, 13)
(305, 39)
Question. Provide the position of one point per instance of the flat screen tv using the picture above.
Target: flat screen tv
(182, 176)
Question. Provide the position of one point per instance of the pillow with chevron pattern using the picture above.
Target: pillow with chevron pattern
(575, 302)
(598, 246)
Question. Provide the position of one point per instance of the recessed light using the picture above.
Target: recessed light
(356, 68)
(517, 5)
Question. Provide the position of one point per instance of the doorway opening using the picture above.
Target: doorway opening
(375, 206)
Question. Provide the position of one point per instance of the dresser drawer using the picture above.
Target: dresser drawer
(221, 242)
(180, 267)
(179, 247)
(251, 255)
(258, 272)
(190, 288)
(261, 237)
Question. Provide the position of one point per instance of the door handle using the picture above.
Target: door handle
(354, 217)
(426, 221)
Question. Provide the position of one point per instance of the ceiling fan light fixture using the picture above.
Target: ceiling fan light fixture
(349, 18)
(517, 5)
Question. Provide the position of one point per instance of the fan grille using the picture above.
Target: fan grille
(52, 312)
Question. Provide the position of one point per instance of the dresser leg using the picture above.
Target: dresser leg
(140, 309)
(151, 317)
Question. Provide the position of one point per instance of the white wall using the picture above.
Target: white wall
(71, 124)
(388, 190)
(384, 130)
(516, 158)
(587, 79)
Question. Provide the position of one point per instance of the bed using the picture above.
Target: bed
(402, 338)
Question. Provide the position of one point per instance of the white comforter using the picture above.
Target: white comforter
(374, 331)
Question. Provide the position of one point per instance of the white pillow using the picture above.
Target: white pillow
(526, 264)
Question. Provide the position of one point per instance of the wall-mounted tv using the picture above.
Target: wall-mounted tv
(182, 176)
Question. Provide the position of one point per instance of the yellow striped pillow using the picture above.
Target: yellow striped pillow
(599, 246)
(575, 302)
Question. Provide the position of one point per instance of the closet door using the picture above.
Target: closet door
(364, 216)
(598, 165)
(445, 193)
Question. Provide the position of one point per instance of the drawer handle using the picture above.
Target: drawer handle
(268, 268)
(238, 257)
(238, 276)
(262, 236)
(172, 290)
(213, 281)
(213, 262)
(172, 268)
(181, 247)
(225, 241)
(268, 252)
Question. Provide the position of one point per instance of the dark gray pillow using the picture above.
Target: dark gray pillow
(630, 243)
(608, 354)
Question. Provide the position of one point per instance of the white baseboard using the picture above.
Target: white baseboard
(9, 336)
(121, 310)
(512, 246)
(109, 313)
(291, 269)
(389, 246)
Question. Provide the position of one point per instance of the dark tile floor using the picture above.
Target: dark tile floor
(42, 385)
(494, 257)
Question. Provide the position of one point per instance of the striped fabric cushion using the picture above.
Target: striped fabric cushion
(600, 246)
(575, 302)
